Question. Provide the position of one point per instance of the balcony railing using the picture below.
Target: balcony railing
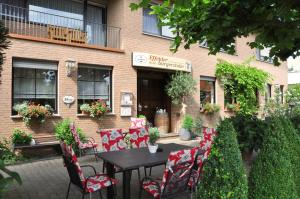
(36, 24)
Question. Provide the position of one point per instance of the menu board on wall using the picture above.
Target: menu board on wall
(126, 104)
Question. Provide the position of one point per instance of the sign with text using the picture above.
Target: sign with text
(161, 62)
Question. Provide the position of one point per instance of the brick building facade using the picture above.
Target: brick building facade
(115, 56)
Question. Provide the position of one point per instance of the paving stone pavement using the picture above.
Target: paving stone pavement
(48, 179)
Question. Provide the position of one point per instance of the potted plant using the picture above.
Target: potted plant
(187, 126)
(98, 109)
(31, 112)
(209, 108)
(181, 86)
(85, 109)
(232, 107)
(20, 137)
(153, 137)
(198, 127)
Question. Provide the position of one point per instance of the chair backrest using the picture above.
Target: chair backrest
(72, 165)
(207, 140)
(75, 134)
(112, 139)
(178, 171)
(138, 137)
(137, 122)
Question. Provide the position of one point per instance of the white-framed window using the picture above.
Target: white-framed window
(205, 44)
(34, 81)
(264, 55)
(150, 25)
(94, 83)
(207, 90)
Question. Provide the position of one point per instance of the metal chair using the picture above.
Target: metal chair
(175, 178)
(89, 184)
(90, 144)
(202, 155)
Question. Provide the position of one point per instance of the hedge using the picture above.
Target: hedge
(272, 173)
(223, 173)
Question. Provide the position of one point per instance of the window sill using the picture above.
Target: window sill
(221, 51)
(264, 61)
(159, 36)
(20, 117)
(85, 115)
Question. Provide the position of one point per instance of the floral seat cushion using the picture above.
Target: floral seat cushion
(112, 140)
(90, 184)
(176, 174)
(99, 181)
(139, 137)
(137, 122)
(152, 187)
(205, 146)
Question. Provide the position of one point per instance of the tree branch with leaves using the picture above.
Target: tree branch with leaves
(275, 24)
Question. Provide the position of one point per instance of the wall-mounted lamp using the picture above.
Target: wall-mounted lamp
(70, 64)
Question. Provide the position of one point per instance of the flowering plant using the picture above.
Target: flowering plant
(31, 111)
(98, 109)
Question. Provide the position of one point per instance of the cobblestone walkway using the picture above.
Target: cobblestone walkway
(48, 179)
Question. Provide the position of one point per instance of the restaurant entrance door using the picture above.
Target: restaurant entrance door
(151, 94)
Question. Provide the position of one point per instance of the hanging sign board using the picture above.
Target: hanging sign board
(160, 62)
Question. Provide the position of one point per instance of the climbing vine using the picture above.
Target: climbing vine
(242, 82)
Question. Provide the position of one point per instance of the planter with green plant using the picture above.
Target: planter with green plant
(85, 109)
(153, 137)
(187, 127)
(20, 137)
(181, 86)
(33, 113)
(210, 109)
(98, 109)
(232, 107)
(198, 127)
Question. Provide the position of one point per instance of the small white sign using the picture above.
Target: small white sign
(126, 111)
(68, 100)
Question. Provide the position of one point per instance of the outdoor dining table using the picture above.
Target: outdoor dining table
(131, 159)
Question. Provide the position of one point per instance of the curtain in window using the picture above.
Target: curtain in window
(93, 84)
(95, 29)
(35, 81)
(65, 13)
(150, 22)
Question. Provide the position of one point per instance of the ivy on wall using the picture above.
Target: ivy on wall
(242, 82)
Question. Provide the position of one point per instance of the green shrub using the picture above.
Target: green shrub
(20, 137)
(223, 173)
(6, 153)
(188, 123)
(294, 150)
(63, 133)
(7, 178)
(272, 173)
(249, 130)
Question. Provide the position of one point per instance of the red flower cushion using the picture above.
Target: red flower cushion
(139, 137)
(99, 181)
(112, 140)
